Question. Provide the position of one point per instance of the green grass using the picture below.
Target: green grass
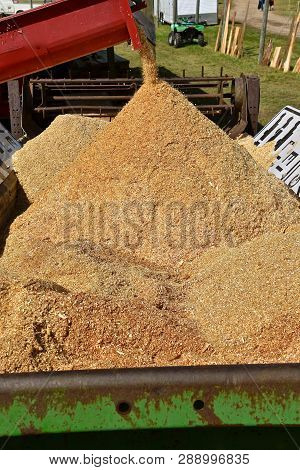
(286, 7)
(278, 89)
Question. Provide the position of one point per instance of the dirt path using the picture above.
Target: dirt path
(277, 24)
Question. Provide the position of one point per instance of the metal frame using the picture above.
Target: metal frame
(106, 97)
(223, 98)
(15, 108)
(161, 398)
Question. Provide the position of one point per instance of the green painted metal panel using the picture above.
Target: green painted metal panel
(263, 409)
(149, 399)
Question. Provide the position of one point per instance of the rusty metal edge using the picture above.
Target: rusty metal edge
(80, 401)
(182, 377)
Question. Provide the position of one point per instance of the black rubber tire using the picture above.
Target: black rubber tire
(171, 39)
(177, 40)
(201, 40)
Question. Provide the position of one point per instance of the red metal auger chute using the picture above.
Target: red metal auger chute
(62, 31)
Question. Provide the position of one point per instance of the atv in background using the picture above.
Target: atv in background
(186, 31)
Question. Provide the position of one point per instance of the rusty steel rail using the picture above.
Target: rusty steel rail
(128, 97)
(178, 397)
(87, 96)
(110, 112)
(130, 80)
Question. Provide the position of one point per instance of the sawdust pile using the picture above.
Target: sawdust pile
(50, 329)
(241, 306)
(138, 233)
(247, 299)
(262, 155)
(165, 193)
(37, 163)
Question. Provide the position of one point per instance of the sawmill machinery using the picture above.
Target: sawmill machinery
(231, 102)
(49, 35)
(62, 31)
(56, 46)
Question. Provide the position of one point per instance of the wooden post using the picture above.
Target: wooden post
(243, 31)
(287, 63)
(218, 40)
(263, 33)
(288, 40)
(157, 12)
(225, 33)
(225, 3)
(231, 33)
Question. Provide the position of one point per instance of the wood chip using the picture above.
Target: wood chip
(37, 163)
(264, 155)
(161, 238)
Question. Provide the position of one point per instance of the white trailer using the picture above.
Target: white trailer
(11, 7)
(208, 10)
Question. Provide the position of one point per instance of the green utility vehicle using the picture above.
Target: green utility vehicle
(186, 31)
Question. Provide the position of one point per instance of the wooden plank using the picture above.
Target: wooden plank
(243, 31)
(229, 45)
(275, 61)
(287, 63)
(218, 40)
(220, 32)
(267, 54)
(225, 35)
(288, 40)
(237, 33)
(235, 40)
(297, 66)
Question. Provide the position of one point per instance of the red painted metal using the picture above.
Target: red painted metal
(61, 31)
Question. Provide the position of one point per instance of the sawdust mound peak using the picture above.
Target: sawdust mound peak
(161, 182)
(41, 158)
(130, 243)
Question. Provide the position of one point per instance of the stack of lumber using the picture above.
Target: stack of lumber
(230, 39)
(279, 57)
(268, 53)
